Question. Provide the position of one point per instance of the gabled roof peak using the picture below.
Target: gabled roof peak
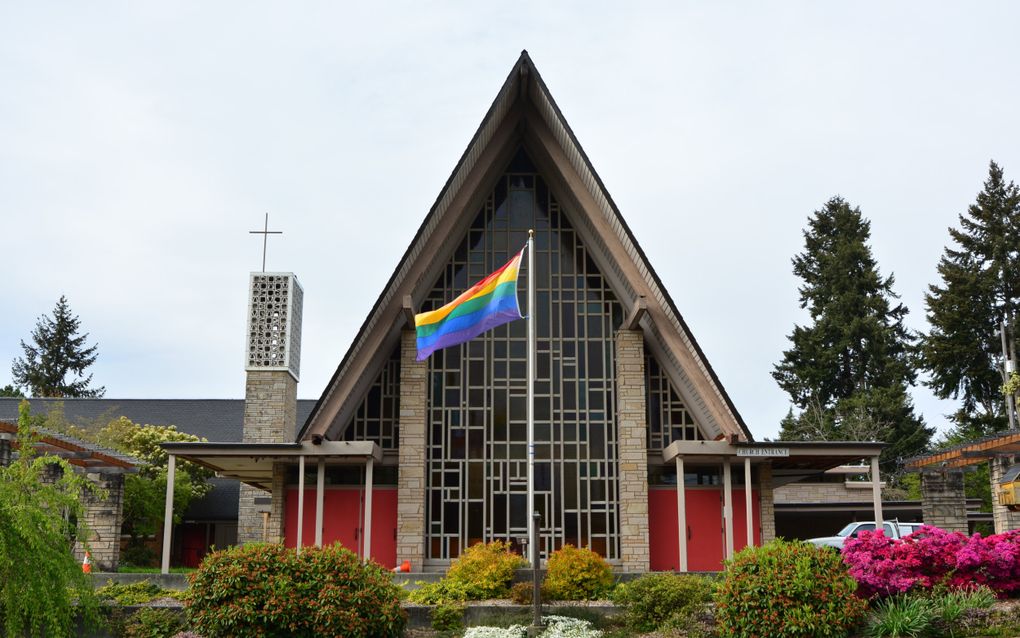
(524, 113)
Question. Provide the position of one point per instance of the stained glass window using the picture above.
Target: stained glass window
(477, 417)
(668, 418)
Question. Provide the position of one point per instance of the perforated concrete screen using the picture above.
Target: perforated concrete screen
(274, 322)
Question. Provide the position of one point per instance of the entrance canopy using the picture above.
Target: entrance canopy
(791, 460)
(252, 463)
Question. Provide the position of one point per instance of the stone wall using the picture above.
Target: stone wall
(768, 509)
(843, 492)
(632, 431)
(943, 503)
(104, 515)
(1004, 519)
(411, 473)
(270, 416)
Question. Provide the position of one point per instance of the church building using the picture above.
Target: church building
(640, 453)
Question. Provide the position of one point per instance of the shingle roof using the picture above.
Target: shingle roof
(213, 419)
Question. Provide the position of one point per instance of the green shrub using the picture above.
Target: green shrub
(485, 570)
(522, 593)
(153, 622)
(577, 574)
(443, 591)
(900, 616)
(787, 589)
(447, 616)
(653, 599)
(138, 555)
(134, 594)
(268, 590)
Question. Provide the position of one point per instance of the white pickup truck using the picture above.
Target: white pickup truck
(892, 529)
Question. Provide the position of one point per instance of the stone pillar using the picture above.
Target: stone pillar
(1004, 519)
(632, 432)
(943, 503)
(278, 508)
(411, 471)
(104, 517)
(270, 416)
(768, 508)
(5, 450)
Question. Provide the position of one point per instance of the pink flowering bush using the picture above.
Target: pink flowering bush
(932, 556)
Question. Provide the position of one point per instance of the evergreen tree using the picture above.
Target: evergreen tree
(980, 287)
(848, 371)
(57, 351)
(11, 392)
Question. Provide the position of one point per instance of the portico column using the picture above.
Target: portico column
(728, 505)
(368, 510)
(876, 492)
(748, 507)
(681, 512)
(300, 502)
(320, 487)
(168, 512)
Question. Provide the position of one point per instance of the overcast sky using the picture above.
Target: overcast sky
(140, 142)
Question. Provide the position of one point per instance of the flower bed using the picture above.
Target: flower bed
(932, 556)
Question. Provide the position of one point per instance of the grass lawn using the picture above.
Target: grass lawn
(153, 570)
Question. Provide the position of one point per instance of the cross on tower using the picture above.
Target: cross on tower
(265, 232)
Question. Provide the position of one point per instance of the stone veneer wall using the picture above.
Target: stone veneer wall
(943, 502)
(768, 509)
(803, 492)
(632, 431)
(1004, 519)
(270, 416)
(411, 472)
(104, 517)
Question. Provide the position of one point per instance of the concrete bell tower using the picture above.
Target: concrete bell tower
(272, 365)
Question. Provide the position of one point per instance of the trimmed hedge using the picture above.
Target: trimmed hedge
(263, 590)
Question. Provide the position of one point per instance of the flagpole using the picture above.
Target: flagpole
(532, 546)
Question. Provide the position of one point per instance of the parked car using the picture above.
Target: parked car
(892, 529)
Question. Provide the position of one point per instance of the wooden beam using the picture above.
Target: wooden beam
(408, 308)
(638, 310)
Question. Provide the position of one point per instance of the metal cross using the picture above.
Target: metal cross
(265, 232)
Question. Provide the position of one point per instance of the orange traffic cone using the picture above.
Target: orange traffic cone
(403, 567)
(86, 564)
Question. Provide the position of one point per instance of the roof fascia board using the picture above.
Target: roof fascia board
(493, 118)
(630, 281)
(553, 117)
(410, 277)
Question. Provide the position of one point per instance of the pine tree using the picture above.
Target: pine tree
(980, 287)
(849, 370)
(57, 351)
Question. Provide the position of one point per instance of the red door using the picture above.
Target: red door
(384, 526)
(342, 516)
(704, 529)
(740, 519)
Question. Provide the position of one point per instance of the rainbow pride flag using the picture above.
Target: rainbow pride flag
(489, 303)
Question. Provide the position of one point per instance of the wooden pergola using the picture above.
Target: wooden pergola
(87, 456)
(971, 453)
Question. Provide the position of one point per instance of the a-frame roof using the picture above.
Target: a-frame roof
(525, 114)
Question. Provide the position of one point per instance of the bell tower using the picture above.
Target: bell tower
(272, 365)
